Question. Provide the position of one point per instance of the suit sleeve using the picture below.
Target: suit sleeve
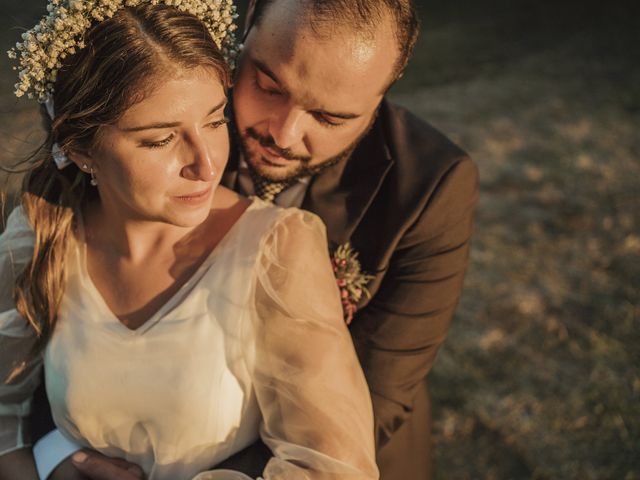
(398, 334)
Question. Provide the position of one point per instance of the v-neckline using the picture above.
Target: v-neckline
(112, 318)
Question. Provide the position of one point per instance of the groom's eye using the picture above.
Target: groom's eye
(325, 120)
(265, 84)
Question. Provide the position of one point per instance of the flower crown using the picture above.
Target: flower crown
(61, 32)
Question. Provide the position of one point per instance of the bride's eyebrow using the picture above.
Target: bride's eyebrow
(162, 125)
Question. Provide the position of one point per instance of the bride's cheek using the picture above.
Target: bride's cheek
(171, 165)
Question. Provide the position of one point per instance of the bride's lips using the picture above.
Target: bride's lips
(195, 197)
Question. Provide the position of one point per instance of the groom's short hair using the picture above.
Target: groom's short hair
(363, 16)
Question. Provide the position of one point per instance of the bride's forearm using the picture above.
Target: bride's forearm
(18, 464)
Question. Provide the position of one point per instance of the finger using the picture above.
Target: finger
(136, 470)
(122, 463)
(100, 467)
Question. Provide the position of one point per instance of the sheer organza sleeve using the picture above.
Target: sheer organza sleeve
(16, 338)
(316, 408)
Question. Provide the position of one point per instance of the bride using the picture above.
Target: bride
(175, 320)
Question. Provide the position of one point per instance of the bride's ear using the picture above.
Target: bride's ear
(248, 21)
(83, 160)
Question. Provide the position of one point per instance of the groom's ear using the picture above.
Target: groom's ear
(248, 22)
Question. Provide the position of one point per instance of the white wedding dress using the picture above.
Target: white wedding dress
(253, 345)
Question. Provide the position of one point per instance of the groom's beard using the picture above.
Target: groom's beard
(303, 167)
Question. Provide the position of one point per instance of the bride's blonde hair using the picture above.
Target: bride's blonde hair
(124, 58)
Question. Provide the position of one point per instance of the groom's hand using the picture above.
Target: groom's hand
(91, 465)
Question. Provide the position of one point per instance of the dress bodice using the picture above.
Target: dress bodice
(252, 345)
(153, 395)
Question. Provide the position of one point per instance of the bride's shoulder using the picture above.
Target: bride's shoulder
(227, 198)
(291, 228)
(301, 219)
(273, 224)
(289, 217)
(17, 242)
(17, 228)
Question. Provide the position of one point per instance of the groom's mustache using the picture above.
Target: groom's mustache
(270, 143)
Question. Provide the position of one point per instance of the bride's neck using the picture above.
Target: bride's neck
(131, 238)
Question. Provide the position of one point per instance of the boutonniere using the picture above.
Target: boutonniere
(351, 281)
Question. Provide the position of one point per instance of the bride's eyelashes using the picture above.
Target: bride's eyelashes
(159, 144)
(166, 141)
(219, 123)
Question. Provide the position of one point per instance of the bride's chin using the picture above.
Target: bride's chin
(188, 217)
(188, 221)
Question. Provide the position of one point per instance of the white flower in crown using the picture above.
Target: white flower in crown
(60, 33)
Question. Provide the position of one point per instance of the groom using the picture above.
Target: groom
(312, 120)
(315, 131)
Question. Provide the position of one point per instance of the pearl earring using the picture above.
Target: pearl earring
(94, 181)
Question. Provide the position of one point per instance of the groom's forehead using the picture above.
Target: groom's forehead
(362, 17)
(321, 74)
(313, 18)
(284, 38)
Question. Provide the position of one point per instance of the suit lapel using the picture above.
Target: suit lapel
(342, 194)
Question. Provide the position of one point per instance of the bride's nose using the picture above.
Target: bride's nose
(199, 161)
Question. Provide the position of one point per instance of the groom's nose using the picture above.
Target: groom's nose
(286, 127)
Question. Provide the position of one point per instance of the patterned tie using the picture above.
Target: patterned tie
(267, 190)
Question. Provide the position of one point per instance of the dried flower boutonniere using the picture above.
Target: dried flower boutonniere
(351, 281)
